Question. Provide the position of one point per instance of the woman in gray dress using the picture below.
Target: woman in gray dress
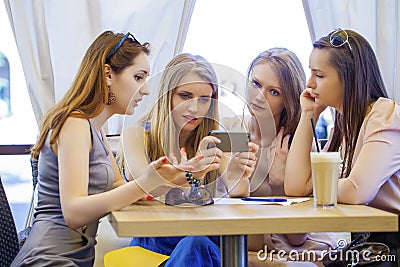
(79, 181)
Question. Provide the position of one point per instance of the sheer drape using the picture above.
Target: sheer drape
(377, 20)
(52, 37)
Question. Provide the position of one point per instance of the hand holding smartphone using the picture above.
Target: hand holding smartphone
(231, 141)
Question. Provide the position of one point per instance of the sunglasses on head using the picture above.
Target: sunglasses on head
(118, 45)
(339, 37)
(198, 196)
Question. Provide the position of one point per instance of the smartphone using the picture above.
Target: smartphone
(231, 141)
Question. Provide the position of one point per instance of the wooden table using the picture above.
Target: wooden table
(234, 222)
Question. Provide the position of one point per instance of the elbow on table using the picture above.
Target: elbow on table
(296, 190)
(297, 187)
(234, 194)
(353, 199)
(351, 193)
(239, 191)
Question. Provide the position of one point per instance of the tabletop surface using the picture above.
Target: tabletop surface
(154, 218)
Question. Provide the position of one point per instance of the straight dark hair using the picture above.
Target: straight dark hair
(358, 69)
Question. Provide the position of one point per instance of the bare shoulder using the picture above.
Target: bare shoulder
(75, 125)
(74, 134)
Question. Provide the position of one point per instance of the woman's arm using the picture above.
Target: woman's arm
(379, 156)
(373, 167)
(276, 173)
(236, 170)
(135, 159)
(298, 166)
(78, 207)
(297, 180)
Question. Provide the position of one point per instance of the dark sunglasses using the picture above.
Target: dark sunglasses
(339, 37)
(118, 45)
(198, 196)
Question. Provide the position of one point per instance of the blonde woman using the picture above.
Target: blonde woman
(179, 123)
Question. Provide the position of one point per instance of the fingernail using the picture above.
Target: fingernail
(149, 197)
(164, 160)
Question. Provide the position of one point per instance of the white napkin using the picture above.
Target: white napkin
(239, 201)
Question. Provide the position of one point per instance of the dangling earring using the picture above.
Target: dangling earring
(111, 98)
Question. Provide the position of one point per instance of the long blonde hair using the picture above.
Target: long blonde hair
(160, 139)
(89, 91)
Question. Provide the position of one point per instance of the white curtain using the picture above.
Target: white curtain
(377, 20)
(52, 37)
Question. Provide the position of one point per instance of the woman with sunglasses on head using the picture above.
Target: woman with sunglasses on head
(276, 79)
(78, 178)
(179, 123)
(345, 75)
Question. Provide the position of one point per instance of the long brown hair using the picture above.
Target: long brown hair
(89, 92)
(292, 78)
(358, 69)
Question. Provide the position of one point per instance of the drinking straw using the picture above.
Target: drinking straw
(315, 135)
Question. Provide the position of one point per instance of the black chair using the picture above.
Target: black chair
(9, 246)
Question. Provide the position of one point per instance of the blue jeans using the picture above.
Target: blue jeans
(193, 251)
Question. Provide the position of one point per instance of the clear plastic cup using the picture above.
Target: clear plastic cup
(325, 173)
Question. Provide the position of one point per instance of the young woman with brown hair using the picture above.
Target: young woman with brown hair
(78, 179)
(345, 75)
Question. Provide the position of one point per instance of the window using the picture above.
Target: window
(5, 107)
(17, 123)
(19, 126)
(233, 33)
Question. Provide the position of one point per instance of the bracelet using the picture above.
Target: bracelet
(191, 180)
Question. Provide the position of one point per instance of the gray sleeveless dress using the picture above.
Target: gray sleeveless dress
(51, 242)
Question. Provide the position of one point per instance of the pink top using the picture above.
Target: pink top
(374, 179)
(317, 242)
